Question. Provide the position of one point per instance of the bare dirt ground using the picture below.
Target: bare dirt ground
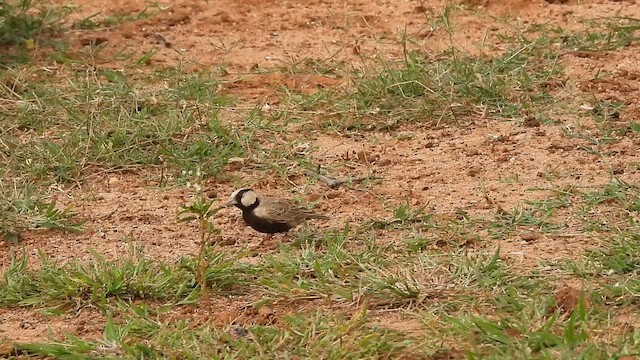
(446, 167)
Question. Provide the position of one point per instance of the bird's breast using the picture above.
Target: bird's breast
(263, 225)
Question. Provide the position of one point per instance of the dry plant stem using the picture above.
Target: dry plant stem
(204, 240)
(335, 183)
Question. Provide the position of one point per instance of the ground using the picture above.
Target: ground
(500, 216)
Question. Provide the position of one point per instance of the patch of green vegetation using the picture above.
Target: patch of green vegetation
(445, 234)
(606, 128)
(100, 282)
(323, 268)
(622, 199)
(538, 215)
(403, 216)
(96, 21)
(104, 121)
(505, 222)
(312, 335)
(620, 256)
(602, 34)
(455, 85)
(449, 87)
(469, 297)
(534, 333)
(25, 20)
(24, 24)
(610, 214)
(617, 192)
(458, 85)
(23, 208)
(276, 157)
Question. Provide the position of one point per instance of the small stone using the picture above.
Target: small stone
(265, 311)
(531, 122)
(114, 181)
(502, 159)
(362, 156)
(473, 171)
(530, 236)
(26, 325)
(568, 299)
(235, 163)
(236, 160)
(332, 195)
(384, 162)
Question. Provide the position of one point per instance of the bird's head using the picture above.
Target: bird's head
(244, 199)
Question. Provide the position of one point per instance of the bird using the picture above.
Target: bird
(270, 215)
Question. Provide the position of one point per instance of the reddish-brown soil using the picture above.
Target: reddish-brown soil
(447, 168)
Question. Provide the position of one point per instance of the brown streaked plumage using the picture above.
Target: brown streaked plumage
(269, 215)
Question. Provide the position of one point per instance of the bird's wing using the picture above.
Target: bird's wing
(282, 210)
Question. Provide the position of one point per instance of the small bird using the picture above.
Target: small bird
(269, 215)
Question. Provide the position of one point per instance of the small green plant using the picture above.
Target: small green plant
(403, 215)
(443, 233)
(15, 25)
(616, 192)
(202, 212)
(602, 34)
(23, 20)
(505, 222)
(95, 21)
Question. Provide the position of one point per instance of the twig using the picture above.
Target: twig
(335, 183)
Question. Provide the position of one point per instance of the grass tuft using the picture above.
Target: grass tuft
(22, 208)
(100, 282)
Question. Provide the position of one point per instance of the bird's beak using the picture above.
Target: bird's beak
(230, 202)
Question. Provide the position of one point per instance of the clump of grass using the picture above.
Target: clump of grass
(505, 222)
(24, 20)
(313, 272)
(95, 21)
(403, 215)
(56, 133)
(452, 86)
(102, 282)
(22, 208)
(534, 330)
(602, 34)
(320, 335)
(460, 84)
(96, 282)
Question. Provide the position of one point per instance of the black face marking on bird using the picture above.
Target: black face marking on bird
(269, 215)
